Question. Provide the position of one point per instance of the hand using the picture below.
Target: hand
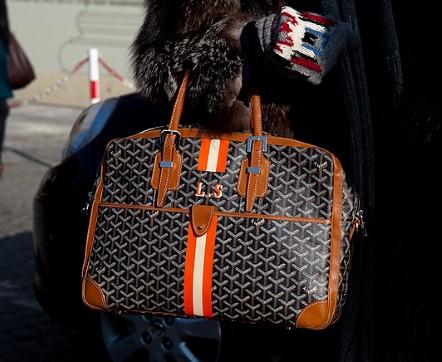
(306, 43)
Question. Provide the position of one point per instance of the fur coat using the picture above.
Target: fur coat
(202, 37)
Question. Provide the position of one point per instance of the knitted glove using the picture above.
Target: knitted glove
(306, 43)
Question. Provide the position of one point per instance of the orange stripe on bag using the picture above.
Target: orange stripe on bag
(213, 155)
(204, 154)
(198, 272)
(208, 268)
(188, 272)
(222, 156)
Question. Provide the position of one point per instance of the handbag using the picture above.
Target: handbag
(236, 226)
(20, 71)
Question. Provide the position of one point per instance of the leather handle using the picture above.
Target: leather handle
(256, 121)
(179, 104)
(256, 115)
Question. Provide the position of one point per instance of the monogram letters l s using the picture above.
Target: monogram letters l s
(217, 191)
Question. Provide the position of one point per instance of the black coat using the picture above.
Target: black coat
(178, 36)
(4, 23)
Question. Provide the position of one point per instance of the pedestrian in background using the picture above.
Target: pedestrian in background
(5, 88)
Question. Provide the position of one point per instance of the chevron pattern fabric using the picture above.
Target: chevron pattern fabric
(267, 268)
(267, 272)
(300, 182)
(138, 260)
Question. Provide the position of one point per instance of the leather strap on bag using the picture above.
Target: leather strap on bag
(253, 178)
(168, 166)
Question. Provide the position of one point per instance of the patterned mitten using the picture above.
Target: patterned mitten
(306, 43)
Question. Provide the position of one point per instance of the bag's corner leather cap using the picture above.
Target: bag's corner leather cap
(92, 295)
(313, 316)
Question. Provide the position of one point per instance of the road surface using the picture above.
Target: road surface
(34, 141)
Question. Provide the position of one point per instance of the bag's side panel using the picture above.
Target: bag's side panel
(138, 259)
(345, 259)
(269, 270)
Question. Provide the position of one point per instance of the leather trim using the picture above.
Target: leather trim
(92, 295)
(169, 177)
(256, 160)
(231, 136)
(334, 272)
(201, 218)
(175, 172)
(221, 213)
(262, 184)
(179, 104)
(92, 222)
(144, 207)
(256, 115)
(313, 316)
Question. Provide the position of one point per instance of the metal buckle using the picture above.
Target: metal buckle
(165, 132)
(250, 140)
(166, 164)
(254, 170)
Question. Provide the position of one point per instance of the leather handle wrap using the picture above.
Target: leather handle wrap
(179, 104)
(256, 121)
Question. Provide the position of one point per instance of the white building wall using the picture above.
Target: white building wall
(57, 33)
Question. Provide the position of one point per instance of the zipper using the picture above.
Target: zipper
(90, 194)
(358, 222)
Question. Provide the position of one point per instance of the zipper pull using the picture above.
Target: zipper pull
(358, 224)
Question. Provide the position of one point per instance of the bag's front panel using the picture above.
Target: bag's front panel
(269, 270)
(138, 259)
(300, 180)
(262, 269)
(128, 171)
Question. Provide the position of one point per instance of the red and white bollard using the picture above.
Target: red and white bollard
(94, 75)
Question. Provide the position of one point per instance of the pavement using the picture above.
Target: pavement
(34, 141)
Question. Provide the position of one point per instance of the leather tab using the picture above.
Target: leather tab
(166, 178)
(261, 187)
(256, 115)
(174, 174)
(179, 104)
(251, 184)
(201, 218)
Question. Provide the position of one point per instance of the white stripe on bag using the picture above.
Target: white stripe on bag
(198, 273)
(212, 160)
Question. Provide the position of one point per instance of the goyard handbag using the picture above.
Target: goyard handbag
(236, 226)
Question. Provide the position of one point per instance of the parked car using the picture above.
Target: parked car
(60, 225)
(60, 222)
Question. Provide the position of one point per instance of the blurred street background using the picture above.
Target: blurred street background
(56, 35)
(35, 138)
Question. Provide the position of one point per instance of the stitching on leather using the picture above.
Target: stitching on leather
(163, 189)
(306, 309)
(222, 213)
(102, 296)
(179, 100)
(267, 163)
(178, 172)
(212, 210)
(155, 170)
(335, 243)
(241, 177)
